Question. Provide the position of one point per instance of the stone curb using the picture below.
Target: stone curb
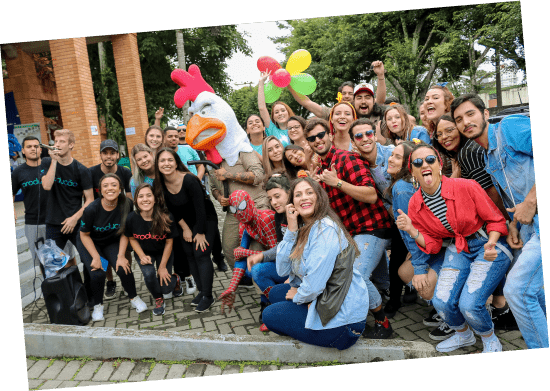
(46, 340)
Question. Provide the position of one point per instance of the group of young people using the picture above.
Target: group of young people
(312, 213)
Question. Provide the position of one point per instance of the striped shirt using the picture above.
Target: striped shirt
(436, 204)
(471, 159)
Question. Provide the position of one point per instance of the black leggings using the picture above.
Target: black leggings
(180, 263)
(150, 275)
(97, 277)
(398, 255)
(200, 263)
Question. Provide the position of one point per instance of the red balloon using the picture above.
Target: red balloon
(269, 63)
(281, 78)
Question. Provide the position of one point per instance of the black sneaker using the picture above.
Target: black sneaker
(410, 295)
(433, 319)
(442, 332)
(263, 306)
(391, 309)
(205, 304)
(195, 302)
(110, 292)
(247, 284)
(502, 318)
(379, 331)
(159, 307)
(178, 289)
(222, 267)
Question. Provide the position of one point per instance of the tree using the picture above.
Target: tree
(208, 47)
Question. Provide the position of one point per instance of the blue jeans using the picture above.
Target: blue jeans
(465, 283)
(372, 249)
(524, 291)
(287, 318)
(152, 282)
(265, 275)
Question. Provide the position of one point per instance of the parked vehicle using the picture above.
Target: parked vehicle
(523, 110)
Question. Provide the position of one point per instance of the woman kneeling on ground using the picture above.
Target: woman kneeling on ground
(101, 236)
(151, 231)
(325, 302)
(474, 264)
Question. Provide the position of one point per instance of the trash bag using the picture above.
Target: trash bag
(52, 257)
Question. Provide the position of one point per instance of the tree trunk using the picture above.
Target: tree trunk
(104, 117)
(181, 64)
(499, 90)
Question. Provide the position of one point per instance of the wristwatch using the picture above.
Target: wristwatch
(339, 184)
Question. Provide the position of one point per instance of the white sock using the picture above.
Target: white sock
(486, 339)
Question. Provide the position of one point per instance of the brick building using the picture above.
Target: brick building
(63, 89)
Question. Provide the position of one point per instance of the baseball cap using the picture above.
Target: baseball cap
(108, 144)
(363, 87)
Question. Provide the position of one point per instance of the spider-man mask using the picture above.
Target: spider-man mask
(242, 206)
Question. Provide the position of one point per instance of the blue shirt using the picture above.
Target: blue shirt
(380, 173)
(420, 133)
(186, 154)
(134, 186)
(311, 273)
(273, 130)
(257, 148)
(510, 160)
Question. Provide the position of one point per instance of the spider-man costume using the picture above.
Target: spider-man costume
(260, 226)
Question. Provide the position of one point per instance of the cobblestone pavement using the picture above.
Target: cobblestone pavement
(180, 316)
(57, 373)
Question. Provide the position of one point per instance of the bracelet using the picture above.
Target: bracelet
(417, 235)
(382, 78)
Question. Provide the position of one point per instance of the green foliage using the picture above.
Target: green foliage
(207, 47)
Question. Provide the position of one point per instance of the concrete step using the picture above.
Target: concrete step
(26, 262)
(22, 244)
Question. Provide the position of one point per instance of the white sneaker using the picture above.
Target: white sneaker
(190, 286)
(97, 315)
(138, 304)
(493, 345)
(456, 341)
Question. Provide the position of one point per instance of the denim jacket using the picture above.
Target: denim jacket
(380, 173)
(510, 160)
(421, 133)
(402, 192)
(311, 273)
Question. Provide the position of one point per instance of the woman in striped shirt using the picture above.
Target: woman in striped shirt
(476, 261)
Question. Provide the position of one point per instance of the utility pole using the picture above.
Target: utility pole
(181, 64)
(499, 88)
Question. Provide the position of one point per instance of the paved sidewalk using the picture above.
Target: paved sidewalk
(181, 317)
(58, 373)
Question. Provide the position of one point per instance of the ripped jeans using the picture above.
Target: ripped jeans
(465, 283)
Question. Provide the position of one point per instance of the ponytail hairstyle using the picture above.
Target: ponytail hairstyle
(161, 219)
(122, 200)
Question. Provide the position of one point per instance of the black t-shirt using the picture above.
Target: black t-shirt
(29, 180)
(191, 204)
(67, 190)
(140, 230)
(122, 172)
(101, 224)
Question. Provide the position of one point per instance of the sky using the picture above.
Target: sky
(243, 69)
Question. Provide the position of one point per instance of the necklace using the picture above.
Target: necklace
(107, 204)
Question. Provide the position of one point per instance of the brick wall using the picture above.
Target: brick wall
(130, 86)
(76, 96)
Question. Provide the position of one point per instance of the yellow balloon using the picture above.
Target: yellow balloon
(298, 61)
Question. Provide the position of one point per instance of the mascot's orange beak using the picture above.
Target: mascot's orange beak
(204, 133)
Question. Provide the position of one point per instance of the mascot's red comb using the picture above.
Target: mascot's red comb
(191, 85)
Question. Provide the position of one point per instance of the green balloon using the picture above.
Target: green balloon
(303, 83)
(272, 92)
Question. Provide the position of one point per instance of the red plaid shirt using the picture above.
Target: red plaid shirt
(358, 217)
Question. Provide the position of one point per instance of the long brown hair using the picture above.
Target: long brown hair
(404, 172)
(266, 161)
(322, 209)
(405, 121)
(160, 223)
(122, 200)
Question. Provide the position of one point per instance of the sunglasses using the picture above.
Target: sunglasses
(320, 136)
(430, 159)
(359, 136)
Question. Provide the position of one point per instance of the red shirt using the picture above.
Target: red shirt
(468, 209)
(358, 217)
